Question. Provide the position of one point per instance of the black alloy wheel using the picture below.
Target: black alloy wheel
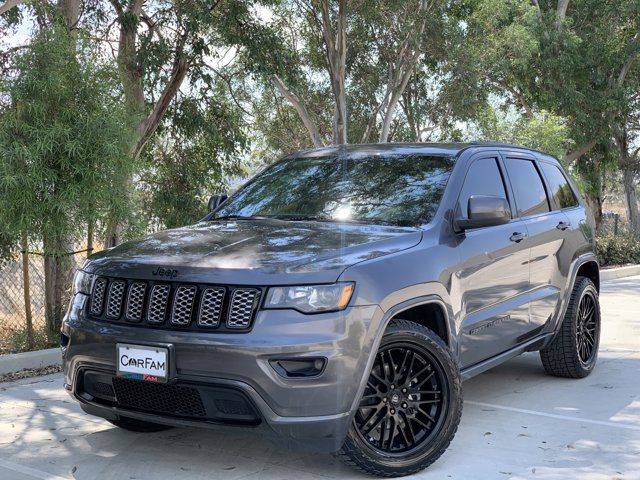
(404, 400)
(586, 328)
(573, 352)
(410, 407)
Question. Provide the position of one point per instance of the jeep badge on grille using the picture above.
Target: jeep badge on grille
(165, 272)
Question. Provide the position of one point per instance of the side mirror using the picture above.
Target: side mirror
(216, 200)
(485, 211)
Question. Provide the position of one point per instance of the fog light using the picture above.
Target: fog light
(299, 368)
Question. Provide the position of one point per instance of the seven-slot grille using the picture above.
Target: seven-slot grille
(167, 305)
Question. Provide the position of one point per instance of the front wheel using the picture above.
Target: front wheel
(411, 405)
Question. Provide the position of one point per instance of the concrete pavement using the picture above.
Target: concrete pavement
(518, 423)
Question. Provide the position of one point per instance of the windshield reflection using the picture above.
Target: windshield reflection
(396, 189)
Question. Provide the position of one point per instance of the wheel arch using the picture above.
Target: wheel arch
(430, 313)
(396, 311)
(591, 270)
(585, 265)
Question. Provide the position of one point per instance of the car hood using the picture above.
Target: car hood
(256, 251)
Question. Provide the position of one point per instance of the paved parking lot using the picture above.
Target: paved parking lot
(517, 423)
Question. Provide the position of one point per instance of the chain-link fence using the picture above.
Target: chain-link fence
(613, 223)
(13, 316)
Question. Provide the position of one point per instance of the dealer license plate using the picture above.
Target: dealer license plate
(142, 362)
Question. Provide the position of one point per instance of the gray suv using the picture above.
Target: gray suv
(337, 300)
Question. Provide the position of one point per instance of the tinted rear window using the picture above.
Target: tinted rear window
(528, 189)
(559, 187)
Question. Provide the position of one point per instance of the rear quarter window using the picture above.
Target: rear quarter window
(559, 188)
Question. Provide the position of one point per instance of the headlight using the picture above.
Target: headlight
(82, 282)
(310, 298)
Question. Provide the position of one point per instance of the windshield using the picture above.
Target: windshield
(393, 190)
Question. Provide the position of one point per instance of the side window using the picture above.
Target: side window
(483, 178)
(528, 188)
(560, 188)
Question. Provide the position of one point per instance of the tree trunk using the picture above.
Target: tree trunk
(90, 227)
(595, 205)
(71, 12)
(629, 169)
(631, 197)
(9, 4)
(335, 44)
(57, 281)
(27, 290)
(303, 113)
(573, 157)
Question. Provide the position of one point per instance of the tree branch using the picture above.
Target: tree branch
(149, 125)
(301, 109)
(9, 4)
(561, 10)
(519, 95)
(633, 46)
(572, 157)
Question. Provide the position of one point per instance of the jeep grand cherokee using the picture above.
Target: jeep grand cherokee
(337, 300)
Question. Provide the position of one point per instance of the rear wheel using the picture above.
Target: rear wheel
(134, 425)
(411, 405)
(574, 351)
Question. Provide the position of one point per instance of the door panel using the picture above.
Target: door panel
(547, 248)
(494, 276)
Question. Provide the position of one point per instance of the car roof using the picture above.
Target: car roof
(356, 150)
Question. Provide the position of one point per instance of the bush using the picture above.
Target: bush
(18, 341)
(618, 249)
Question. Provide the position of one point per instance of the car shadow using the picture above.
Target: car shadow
(492, 442)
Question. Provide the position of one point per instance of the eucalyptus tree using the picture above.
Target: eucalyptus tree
(361, 55)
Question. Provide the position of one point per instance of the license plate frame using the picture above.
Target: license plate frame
(155, 366)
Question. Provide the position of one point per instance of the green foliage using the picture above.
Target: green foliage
(62, 138)
(18, 341)
(618, 249)
(543, 131)
(193, 158)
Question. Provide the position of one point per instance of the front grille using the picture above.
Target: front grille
(183, 305)
(211, 307)
(174, 305)
(102, 388)
(114, 302)
(194, 401)
(135, 301)
(158, 303)
(97, 300)
(157, 397)
(243, 303)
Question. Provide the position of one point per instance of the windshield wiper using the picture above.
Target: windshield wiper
(324, 218)
(237, 217)
(304, 218)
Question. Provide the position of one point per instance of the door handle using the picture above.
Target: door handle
(517, 237)
(563, 225)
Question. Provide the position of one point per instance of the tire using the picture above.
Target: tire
(425, 418)
(574, 350)
(140, 426)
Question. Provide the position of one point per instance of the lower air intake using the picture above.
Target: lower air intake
(159, 398)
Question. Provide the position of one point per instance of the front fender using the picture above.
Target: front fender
(404, 299)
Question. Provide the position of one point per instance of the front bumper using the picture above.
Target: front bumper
(308, 413)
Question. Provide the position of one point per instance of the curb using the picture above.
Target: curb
(15, 362)
(619, 272)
